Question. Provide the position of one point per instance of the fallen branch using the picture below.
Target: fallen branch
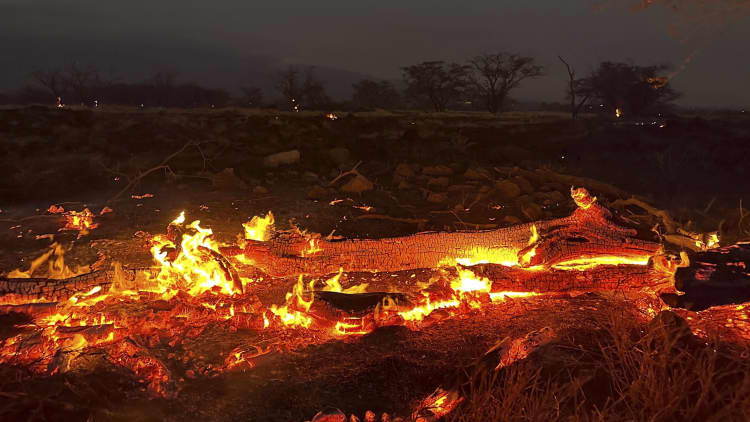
(164, 165)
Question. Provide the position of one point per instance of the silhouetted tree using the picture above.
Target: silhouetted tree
(435, 82)
(633, 89)
(82, 81)
(163, 83)
(374, 94)
(577, 88)
(493, 76)
(252, 96)
(51, 80)
(288, 85)
(299, 92)
(313, 92)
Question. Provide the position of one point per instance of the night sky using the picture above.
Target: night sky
(233, 42)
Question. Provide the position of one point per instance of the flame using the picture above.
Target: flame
(259, 228)
(192, 269)
(467, 281)
(582, 198)
(293, 313)
(333, 285)
(618, 112)
(56, 267)
(313, 247)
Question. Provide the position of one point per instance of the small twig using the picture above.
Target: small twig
(389, 218)
(32, 217)
(353, 171)
(710, 204)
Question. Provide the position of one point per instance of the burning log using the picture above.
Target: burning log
(590, 234)
(27, 290)
(358, 303)
(30, 290)
(599, 278)
(38, 310)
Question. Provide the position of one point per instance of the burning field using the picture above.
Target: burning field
(594, 307)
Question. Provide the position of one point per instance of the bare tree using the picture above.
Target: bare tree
(309, 92)
(313, 91)
(436, 82)
(81, 81)
(630, 88)
(252, 96)
(52, 80)
(163, 83)
(495, 75)
(575, 87)
(374, 94)
(288, 85)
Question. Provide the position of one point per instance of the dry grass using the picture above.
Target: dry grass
(623, 371)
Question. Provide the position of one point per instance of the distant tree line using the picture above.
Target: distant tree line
(484, 82)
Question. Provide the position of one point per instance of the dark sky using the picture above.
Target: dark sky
(225, 43)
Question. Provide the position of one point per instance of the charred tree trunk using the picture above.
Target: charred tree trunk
(589, 233)
(718, 276)
(599, 278)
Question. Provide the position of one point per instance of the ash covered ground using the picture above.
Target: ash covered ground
(363, 175)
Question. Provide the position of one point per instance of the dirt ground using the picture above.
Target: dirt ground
(415, 172)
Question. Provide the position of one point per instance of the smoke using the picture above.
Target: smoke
(697, 23)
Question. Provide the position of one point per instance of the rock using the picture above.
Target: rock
(339, 155)
(551, 197)
(476, 173)
(507, 189)
(439, 170)
(438, 181)
(329, 415)
(309, 177)
(524, 184)
(511, 219)
(532, 211)
(226, 179)
(317, 192)
(437, 197)
(281, 158)
(403, 185)
(358, 184)
(260, 189)
(460, 188)
(404, 170)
